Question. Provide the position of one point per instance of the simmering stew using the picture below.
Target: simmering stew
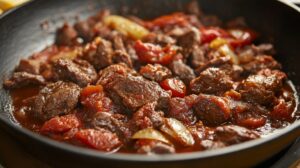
(181, 82)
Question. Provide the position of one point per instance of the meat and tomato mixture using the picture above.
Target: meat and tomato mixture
(177, 83)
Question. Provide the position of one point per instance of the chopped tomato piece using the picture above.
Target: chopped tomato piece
(98, 139)
(282, 111)
(211, 33)
(94, 98)
(150, 53)
(61, 124)
(252, 122)
(242, 37)
(176, 86)
(178, 18)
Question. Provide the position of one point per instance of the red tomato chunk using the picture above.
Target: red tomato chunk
(176, 86)
(61, 124)
(98, 139)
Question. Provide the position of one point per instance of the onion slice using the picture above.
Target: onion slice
(150, 133)
(178, 131)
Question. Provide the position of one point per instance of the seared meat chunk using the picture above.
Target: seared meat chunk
(181, 109)
(155, 72)
(66, 35)
(77, 71)
(248, 53)
(183, 71)
(22, 79)
(153, 147)
(54, 99)
(232, 134)
(189, 41)
(261, 88)
(199, 55)
(212, 110)
(29, 65)
(147, 116)
(261, 62)
(112, 72)
(121, 56)
(159, 38)
(134, 91)
(116, 123)
(211, 81)
(99, 53)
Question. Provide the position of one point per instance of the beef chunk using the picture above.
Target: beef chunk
(116, 123)
(134, 91)
(121, 56)
(248, 53)
(66, 35)
(84, 29)
(232, 134)
(153, 147)
(155, 72)
(261, 62)
(199, 55)
(147, 116)
(22, 79)
(261, 88)
(160, 39)
(212, 110)
(55, 99)
(213, 61)
(112, 72)
(29, 65)
(77, 71)
(100, 139)
(211, 81)
(181, 109)
(183, 71)
(248, 115)
(99, 53)
(188, 41)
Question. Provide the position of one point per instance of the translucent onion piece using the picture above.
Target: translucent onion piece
(150, 133)
(227, 51)
(126, 27)
(178, 131)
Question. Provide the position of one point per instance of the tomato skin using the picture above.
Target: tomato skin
(252, 122)
(94, 98)
(211, 33)
(242, 37)
(177, 18)
(61, 124)
(176, 86)
(150, 53)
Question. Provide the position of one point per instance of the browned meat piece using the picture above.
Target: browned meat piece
(118, 42)
(183, 71)
(160, 39)
(77, 71)
(135, 91)
(54, 99)
(84, 29)
(199, 55)
(29, 65)
(261, 88)
(248, 53)
(261, 62)
(66, 35)
(189, 41)
(155, 72)
(283, 110)
(22, 79)
(232, 134)
(213, 61)
(98, 53)
(122, 56)
(147, 117)
(153, 147)
(212, 110)
(116, 123)
(181, 109)
(110, 73)
(211, 81)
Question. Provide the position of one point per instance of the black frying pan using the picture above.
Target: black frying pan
(21, 35)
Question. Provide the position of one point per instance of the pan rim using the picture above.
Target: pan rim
(155, 158)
